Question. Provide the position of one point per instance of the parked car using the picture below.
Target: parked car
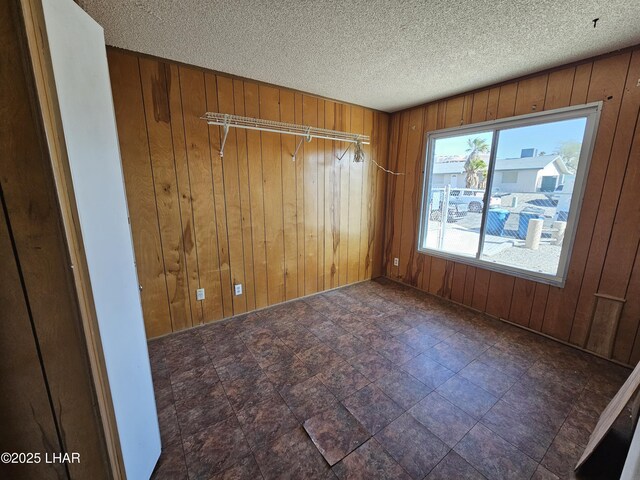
(473, 198)
(456, 212)
(457, 208)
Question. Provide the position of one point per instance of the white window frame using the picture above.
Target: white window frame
(590, 111)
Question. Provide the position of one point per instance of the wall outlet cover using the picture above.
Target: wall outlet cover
(238, 289)
(200, 294)
(396, 262)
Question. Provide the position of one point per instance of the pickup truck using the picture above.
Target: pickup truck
(473, 198)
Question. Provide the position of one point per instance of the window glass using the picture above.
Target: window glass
(538, 163)
(504, 195)
(456, 196)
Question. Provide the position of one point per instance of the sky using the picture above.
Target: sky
(544, 137)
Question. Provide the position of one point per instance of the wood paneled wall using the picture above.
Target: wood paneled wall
(48, 401)
(605, 258)
(282, 229)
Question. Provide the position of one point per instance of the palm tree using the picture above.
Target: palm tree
(475, 168)
(570, 152)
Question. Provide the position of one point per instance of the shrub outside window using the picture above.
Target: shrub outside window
(505, 194)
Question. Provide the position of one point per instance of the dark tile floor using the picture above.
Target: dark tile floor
(373, 381)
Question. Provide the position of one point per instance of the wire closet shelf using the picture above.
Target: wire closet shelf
(226, 121)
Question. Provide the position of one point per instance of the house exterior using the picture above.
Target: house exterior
(525, 174)
(449, 173)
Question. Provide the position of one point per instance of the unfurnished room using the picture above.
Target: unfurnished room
(298, 240)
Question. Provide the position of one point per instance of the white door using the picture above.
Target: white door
(82, 82)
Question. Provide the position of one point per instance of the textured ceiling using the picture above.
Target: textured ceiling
(382, 54)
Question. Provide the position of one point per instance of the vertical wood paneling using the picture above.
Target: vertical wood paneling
(138, 177)
(310, 155)
(367, 214)
(332, 203)
(26, 425)
(458, 282)
(289, 198)
(256, 186)
(605, 253)
(611, 190)
(480, 289)
(607, 81)
(499, 294)
(426, 272)
(381, 152)
(445, 289)
(620, 276)
(531, 95)
(467, 109)
(479, 107)
(469, 282)
(430, 122)
(187, 232)
(396, 202)
(436, 275)
(390, 201)
(220, 195)
(343, 122)
(536, 317)
(158, 124)
(227, 190)
(522, 301)
(454, 112)
(507, 100)
(581, 82)
(279, 227)
(48, 383)
(491, 112)
(272, 174)
(245, 198)
(300, 212)
(559, 88)
(626, 232)
(410, 268)
(193, 95)
(355, 197)
(320, 166)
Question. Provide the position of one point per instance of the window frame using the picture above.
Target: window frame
(592, 113)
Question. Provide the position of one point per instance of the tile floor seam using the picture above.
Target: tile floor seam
(556, 435)
(509, 442)
(184, 453)
(359, 306)
(481, 387)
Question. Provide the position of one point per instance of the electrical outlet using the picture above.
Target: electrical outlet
(238, 289)
(396, 262)
(200, 294)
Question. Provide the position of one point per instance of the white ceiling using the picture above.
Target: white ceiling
(382, 54)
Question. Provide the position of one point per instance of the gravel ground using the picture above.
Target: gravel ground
(544, 260)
